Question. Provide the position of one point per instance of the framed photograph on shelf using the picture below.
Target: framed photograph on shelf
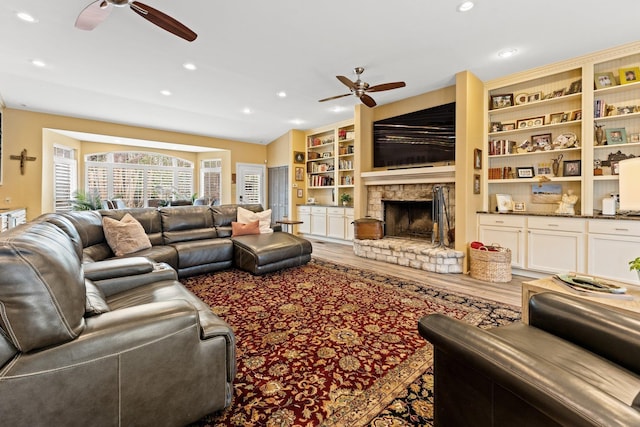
(525, 172)
(616, 136)
(496, 127)
(501, 101)
(299, 174)
(572, 168)
(615, 168)
(541, 141)
(477, 158)
(576, 115)
(504, 202)
(629, 75)
(529, 123)
(298, 157)
(476, 183)
(603, 80)
(575, 87)
(519, 207)
(508, 126)
(634, 137)
(533, 97)
(557, 93)
(555, 118)
(522, 98)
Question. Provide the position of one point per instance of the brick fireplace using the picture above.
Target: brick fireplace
(406, 209)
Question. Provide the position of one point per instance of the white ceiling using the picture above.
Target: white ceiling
(248, 50)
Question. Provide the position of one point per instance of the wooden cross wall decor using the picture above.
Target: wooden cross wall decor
(23, 158)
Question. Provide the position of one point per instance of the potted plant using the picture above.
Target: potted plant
(345, 198)
(635, 265)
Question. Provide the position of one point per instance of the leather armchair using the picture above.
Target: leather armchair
(575, 364)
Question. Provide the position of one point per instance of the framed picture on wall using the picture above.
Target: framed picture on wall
(298, 157)
(476, 183)
(300, 193)
(299, 174)
(477, 158)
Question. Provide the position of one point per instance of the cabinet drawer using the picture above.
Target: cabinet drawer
(335, 211)
(316, 210)
(503, 220)
(626, 228)
(557, 224)
(304, 209)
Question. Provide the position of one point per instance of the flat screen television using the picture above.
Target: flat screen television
(421, 138)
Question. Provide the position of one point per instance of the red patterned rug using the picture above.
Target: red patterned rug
(330, 345)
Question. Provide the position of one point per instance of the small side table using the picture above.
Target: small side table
(288, 222)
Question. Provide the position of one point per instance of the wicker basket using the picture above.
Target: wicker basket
(490, 266)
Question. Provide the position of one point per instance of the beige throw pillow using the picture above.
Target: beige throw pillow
(245, 216)
(125, 236)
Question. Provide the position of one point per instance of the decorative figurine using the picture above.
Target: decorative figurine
(567, 204)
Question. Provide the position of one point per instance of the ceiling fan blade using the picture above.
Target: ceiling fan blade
(368, 101)
(348, 83)
(163, 21)
(93, 15)
(335, 97)
(386, 86)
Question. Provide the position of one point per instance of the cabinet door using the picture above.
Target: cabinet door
(304, 215)
(554, 251)
(348, 224)
(507, 237)
(609, 256)
(335, 226)
(319, 221)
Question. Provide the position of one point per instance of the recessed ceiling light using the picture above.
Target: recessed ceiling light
(38, 63)
(247, 110)
(506, 53)
(190, 66)
(297, 122)
(165, 92)
(282, 94)
(465, 6)
(338, 109)
(26, 17)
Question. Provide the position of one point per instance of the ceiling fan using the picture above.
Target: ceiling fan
(100, 10)
(360, 88)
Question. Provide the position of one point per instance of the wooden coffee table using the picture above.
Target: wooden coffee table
(551, 285)
(286, 223)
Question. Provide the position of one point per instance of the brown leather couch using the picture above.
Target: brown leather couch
(195, 240)
(120, 344)
(575, 364)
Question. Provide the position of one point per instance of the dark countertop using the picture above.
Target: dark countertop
(594, 216)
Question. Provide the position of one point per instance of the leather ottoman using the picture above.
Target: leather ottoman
(264, 253)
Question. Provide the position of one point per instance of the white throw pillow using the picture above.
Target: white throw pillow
(245, 216)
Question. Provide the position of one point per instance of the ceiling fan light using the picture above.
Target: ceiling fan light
(465, 6)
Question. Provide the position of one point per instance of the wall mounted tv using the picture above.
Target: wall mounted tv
(416, 139)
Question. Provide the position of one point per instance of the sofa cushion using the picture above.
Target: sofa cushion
(203, 252)
(240, 229)
(224, 215)
(95, 302)
(187, 223)
(125, 236)
(42, 291)
(246, 216)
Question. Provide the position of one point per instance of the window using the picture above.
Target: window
(210, 181)
(65, 179)
(138, 178)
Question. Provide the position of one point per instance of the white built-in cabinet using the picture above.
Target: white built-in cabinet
(543, 245)
(329, 222)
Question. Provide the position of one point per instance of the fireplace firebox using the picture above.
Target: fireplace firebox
(408, 218)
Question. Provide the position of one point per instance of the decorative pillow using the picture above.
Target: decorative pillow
(125, 236)
(240, 229)
(246, 216)
(96, 302)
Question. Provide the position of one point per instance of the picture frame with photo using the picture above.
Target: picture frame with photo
(477, 158)
(557, 93)
(572, 168)
(534, 97)
(298, 157)
(300, 193)
(519, 207)
(525, 172)
(615, 168)
(575, 87)
(616, 136)
(542, 140)
(556, 118)
(299, 174)
(501, 101)
(629, 75)
(508, 126)
(504, 202)
(634, 137)
(521, 98)
(576, 115)
(529, 123)
(495, 127)
(476, 183)
(604, 80)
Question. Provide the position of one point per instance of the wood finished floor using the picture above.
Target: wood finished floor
(508, 293)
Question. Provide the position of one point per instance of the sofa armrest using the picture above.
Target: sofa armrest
(118, 267)
(609, 333)
(562, 396)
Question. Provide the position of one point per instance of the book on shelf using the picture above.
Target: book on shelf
(499, 147)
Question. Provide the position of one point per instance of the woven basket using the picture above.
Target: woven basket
(490, 266)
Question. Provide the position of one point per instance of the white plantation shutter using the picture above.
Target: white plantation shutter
(251, 189)
(210, 180)
(65, 180)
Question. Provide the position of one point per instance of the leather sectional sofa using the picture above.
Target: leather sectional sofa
(90, 338)
(195, 240)
(575, 364)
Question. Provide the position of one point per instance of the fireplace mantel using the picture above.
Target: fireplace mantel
(436, 174)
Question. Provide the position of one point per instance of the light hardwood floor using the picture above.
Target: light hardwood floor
(508, 293)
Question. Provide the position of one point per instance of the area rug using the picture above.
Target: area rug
(329, 345)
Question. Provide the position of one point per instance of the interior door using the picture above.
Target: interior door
(278, 192)
(250, 183)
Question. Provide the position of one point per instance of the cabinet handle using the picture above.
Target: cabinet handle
(499, 222)
(553, 225)
(621, 229)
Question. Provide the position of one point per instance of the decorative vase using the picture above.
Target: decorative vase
(599, 134)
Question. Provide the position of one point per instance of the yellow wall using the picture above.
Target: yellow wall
(280, 153)
(24, 129)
